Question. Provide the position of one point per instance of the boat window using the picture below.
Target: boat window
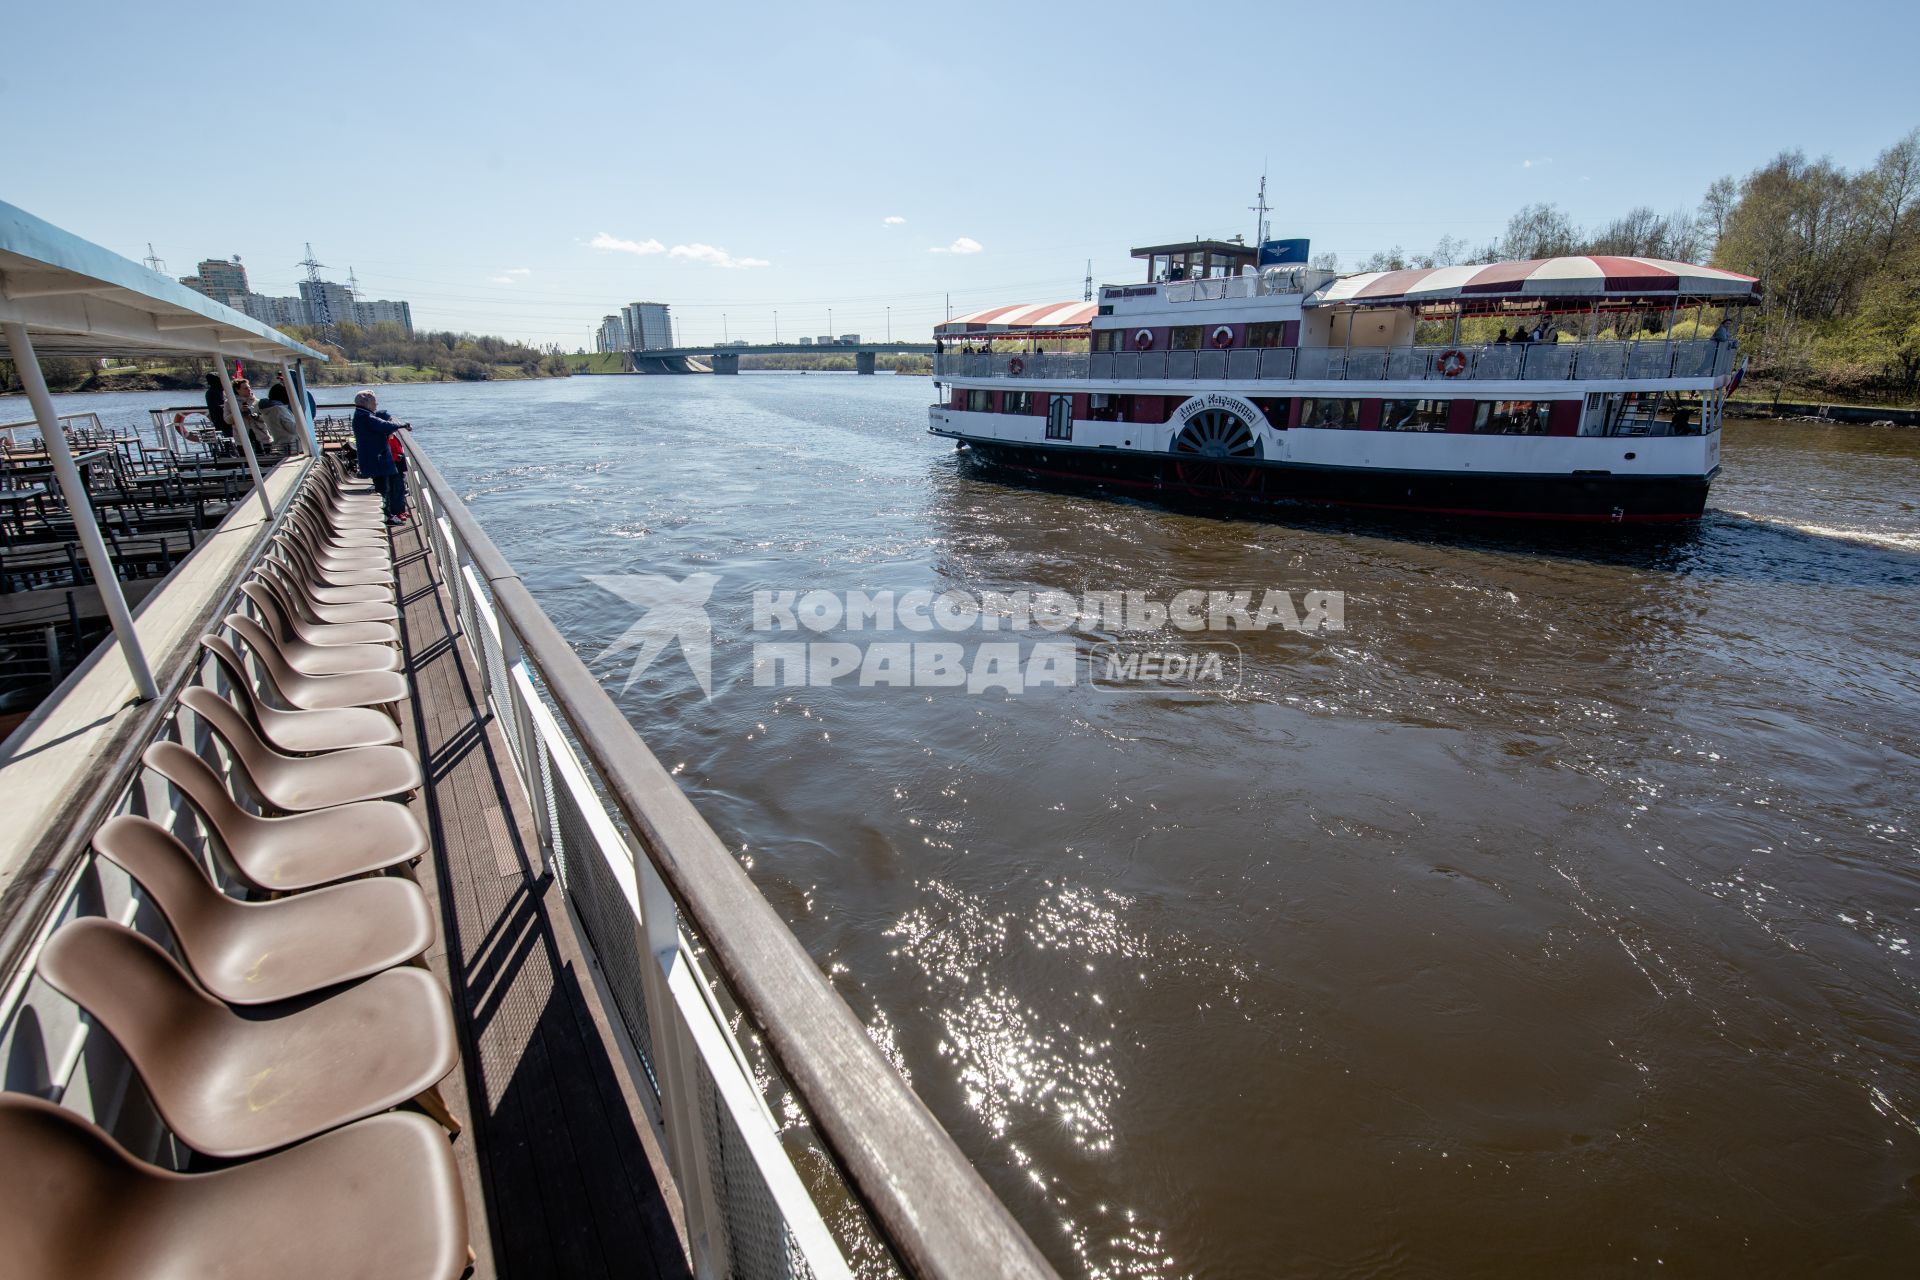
(980, 401)
(1109, 340)
(1343, 414)
(1647, 413)
(1511, 417)
(1186, 338)
(1016, 402)
(1267, 335)
(1415, 415)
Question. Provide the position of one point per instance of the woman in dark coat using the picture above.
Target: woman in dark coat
(217, 407)
(370, 434)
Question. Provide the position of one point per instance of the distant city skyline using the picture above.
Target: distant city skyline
(877, 162)
(320, 302)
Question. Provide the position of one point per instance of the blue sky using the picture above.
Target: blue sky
(468, 159)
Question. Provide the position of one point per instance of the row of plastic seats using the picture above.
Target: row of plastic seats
(290, 1021)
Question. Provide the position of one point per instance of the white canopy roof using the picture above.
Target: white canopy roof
(78, 299)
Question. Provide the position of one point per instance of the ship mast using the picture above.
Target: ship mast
(1259, 209)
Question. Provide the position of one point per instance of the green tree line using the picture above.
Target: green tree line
(466, 357)
(1837, 254)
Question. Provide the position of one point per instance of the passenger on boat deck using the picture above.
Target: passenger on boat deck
(1502, 338)
(250, 411)
(276, 415)
(1539, 333)
(370, 434)
(217, 406)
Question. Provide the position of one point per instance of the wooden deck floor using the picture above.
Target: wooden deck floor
(563, 1176)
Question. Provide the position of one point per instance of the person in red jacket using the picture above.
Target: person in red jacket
(397, 483)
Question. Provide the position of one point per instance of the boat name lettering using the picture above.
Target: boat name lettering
(1219, 400)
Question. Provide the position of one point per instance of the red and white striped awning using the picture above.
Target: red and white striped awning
(1022, 318)
(1586, 278)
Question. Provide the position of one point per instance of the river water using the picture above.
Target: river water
(1556, 916)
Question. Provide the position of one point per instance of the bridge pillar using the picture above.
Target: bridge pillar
(863, 362)
(726, 362)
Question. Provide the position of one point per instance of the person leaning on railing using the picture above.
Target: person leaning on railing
(370, 436)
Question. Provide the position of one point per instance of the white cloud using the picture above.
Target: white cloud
(965, 244)
(614, 244)
(716, 256)
(893, 220)
(519, 271)
(512, 275)
(1535, 164)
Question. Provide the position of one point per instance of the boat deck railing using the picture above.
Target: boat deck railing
(1653, 360)
(721, 1004)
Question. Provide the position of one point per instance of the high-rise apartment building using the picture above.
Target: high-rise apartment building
(612, 335)
(648, 325)
(222, 280)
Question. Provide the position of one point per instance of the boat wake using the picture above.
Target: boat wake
(1901, 541)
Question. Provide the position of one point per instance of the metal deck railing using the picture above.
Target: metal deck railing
(1502, 362)
(691, 952)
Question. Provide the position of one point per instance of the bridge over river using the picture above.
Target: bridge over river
(726, 359)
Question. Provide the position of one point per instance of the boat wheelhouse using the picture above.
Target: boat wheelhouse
(1573, 388)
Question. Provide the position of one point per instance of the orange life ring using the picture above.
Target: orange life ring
(1452, 363)
(1016, 366)
(1223, 337)
(1143, 340)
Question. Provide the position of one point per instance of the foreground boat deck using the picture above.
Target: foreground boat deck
(561, 1170)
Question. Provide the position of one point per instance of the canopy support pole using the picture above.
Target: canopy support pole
(297, 401)
(74, 488)
(242, 436)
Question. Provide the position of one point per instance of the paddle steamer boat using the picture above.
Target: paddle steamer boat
(1235, 375)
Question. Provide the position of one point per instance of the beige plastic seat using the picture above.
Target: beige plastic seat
(260, 952)
(347, 546)
(299, 851)
(311, 570)
(301, 732)
(317, 611)
(355, 518)
(274, 604)
(232, 1085)
(315, 693)
(330, 556)
(299, 784)
(323, 659)
(324, 593)
(377, 1198)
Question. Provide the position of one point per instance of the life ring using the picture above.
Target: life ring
(1143, 340)
(1223, 337)
(1016, 366)
(1452, 363)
